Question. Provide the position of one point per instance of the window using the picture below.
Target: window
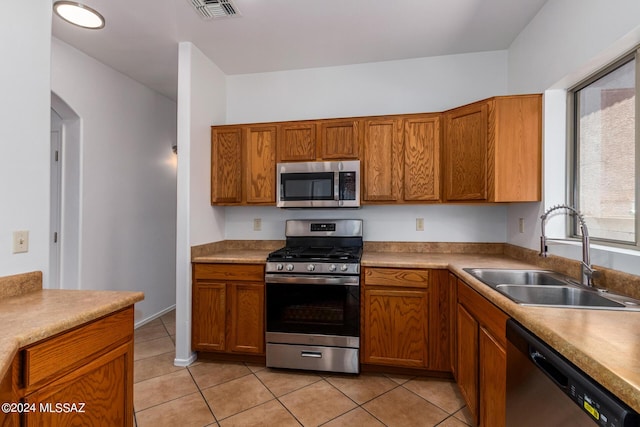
(604, 184)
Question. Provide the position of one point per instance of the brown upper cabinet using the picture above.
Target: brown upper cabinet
(487, 151)
(319, 140)
(493, 150)
(243, 163)
(297, 142)
(401, 159)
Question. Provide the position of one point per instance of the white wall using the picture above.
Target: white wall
(567, 41)
(25, 43)
(128, 179)
(442, 223)
(201, 103)
(394, 87)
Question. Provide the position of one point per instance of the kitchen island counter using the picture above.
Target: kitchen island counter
(38, 314)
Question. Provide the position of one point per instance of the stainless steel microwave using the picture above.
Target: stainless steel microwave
(318, 184)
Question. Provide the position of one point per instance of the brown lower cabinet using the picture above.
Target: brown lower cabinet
(481, 356)
(405, 318)
(83, 376)
(228, 308)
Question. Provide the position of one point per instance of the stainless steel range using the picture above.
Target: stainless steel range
(313, 297)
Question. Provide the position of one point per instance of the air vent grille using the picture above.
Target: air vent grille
(213, 9)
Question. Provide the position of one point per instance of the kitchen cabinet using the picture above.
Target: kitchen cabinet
(297, 142)
(83, 376)
(228, 308)
(243, 161)
(405, 318)
(481, 356)
(319, 140)
(401, 159)
(339, 139)
(493, 150)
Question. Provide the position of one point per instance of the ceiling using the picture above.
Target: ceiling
(141, 36)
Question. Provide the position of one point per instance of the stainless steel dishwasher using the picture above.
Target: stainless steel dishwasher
(545, 389)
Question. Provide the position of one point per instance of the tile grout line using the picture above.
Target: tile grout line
(206, 402)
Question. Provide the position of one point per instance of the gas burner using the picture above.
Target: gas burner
(319, 247)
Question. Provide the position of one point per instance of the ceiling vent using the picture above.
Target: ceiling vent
(213, 9)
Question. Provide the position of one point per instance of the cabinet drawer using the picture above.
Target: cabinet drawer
(55, 356)
(407, 278)
(244, 272)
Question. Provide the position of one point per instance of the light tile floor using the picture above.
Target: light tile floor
(240, 394)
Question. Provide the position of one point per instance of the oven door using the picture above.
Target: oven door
(313, 309)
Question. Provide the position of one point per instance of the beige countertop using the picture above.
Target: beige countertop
(39, 314)
(603, 343)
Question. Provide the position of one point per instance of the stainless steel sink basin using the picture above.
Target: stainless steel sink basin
(550, 289)
(497, 276)
(557, 296)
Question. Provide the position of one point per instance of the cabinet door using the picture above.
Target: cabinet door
(453, 304)
(208, 323)
(466, 152)
(339, 139)
(467, 351)
(246, 322)
(518, 148)
(382, 165)
(493, 380)
(422, 159)
(98, 393)
(396, 327)
(226, 165)
(261, 164)
(297, 142)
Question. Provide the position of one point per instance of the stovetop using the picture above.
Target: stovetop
(316, 254)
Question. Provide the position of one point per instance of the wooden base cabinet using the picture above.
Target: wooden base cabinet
(405, 319)
(80, 377)
(228, 308)
(481, 356)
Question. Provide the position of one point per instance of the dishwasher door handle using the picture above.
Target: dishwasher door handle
(549, 369)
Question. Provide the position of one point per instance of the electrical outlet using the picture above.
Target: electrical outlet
(419, 224)
(20, 241)
(521, 225)
(257, 224)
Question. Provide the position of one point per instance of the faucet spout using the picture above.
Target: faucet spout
(586, 269)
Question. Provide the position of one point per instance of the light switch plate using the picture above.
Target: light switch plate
(20, 241)
(257, 224)
(419, 224)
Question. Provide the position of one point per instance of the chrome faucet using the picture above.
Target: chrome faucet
(586, 269)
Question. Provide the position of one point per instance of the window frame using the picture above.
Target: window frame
(573, 178)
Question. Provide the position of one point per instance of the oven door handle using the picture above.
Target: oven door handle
(312, 280)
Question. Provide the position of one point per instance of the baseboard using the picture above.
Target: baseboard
(186, 362)
(154, 317)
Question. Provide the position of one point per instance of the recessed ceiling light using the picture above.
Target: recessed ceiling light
(78, 14)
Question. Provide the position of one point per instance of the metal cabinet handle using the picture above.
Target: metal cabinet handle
(315, 354)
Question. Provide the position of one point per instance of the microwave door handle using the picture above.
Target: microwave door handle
(336, 185)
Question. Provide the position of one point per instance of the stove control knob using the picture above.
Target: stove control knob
(332, 267)
(289, 267)
(311, 267)
(279, 267)
(344, 267)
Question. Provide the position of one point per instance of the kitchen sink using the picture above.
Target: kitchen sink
(550, 289)
(497, 276)
(558, 296)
